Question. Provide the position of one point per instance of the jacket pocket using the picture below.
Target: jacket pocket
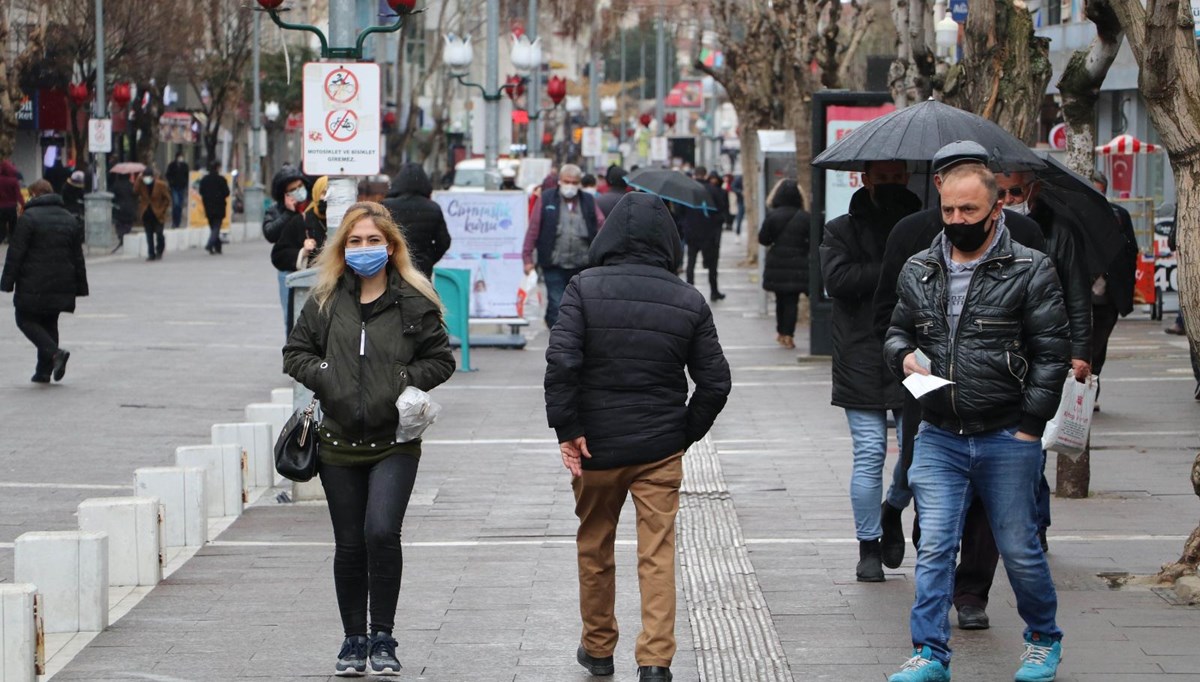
(1018, 366)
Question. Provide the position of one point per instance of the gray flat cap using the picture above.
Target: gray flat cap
(957, 152)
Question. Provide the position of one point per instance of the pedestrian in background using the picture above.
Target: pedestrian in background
(988, 314)
(57, 175)
(154, 202)
(372, 327)
(615, 177)
(851, 259)
(588, 184)
(702, 234)
(628, 327)
(11, 199)
(737, 187)
(45, 267)
(1112, 291)
(561, 229)
(785, 233)
(300, 242)
(178, 177)
(73, 192)
(419, 217)
(214, 195)
(125, 205)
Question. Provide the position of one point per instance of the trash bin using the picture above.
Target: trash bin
(454, 287)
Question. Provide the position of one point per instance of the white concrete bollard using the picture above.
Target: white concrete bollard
(132, 524)
(255, 439)
(70, 569)
(274, 414)
(282, 396)
(224, 476)
(185, 508)
(20, 638)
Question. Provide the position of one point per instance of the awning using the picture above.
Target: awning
(1127, 144)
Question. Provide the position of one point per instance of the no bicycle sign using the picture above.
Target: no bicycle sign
(341, 118)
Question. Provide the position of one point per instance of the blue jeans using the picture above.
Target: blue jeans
(947, 470)
(1043, 498)
(556, 283)
(179, 199)
(283, 297)
(868, 431)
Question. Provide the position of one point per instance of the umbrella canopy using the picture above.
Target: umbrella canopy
(1071, 195)
(128, 168)
(916, 133)
(671, 186)
(1126, 144)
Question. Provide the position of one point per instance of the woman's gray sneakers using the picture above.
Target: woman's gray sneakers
(352, 659)
(383, 655)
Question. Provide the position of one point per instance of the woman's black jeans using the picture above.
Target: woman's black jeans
(786, 311)
(367, 505)
(41, 328)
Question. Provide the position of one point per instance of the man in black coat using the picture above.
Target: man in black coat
(628, 327)
(1112, 292)
(419, 217)
(178, 175)
(45, 266)
(214, 195)
(851, 253)
(702, 232)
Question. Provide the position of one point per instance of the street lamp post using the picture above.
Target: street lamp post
(253, 209)
(533, 133)
(99, 232)
(660, 77)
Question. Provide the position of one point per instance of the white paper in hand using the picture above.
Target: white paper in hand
(417, 412)
(920, 384)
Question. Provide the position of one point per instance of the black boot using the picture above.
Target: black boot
(654, 673)
(598, 666)
(870, 562)
(892, 542)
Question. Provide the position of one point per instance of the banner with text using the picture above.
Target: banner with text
(487, 232)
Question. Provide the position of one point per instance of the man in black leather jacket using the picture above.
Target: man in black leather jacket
(988, 314)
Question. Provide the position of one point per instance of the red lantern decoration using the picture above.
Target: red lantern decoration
(556, 89)
(270, 4)
(389, 121)
(646, 119)
(121, 94)
(78, 92)
(669, 119)
(629, 132)
(514, 87)
(398, 6)
(547, 139)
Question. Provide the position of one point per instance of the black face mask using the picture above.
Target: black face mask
(889, 195)
(967, 237)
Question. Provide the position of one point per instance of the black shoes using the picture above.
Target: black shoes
(60, 364)
(972, 618)
(892, 542)
(717, 296)
(41, 378)
(600, 666)
(870, 562)
(383, 655)
(654, 673)
(352, 659)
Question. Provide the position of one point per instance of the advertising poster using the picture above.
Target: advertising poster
(487, 232)
(841, 185)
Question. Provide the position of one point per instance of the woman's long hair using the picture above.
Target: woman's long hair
(331, 264)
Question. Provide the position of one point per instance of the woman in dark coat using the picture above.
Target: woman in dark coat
(371, 328)
(785, 272)
(418, 216)
(125, 205)
(45, 267)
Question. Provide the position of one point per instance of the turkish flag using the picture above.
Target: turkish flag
(1121, 174)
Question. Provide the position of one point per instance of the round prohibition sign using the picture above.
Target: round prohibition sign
(342, 125)
(341, 85)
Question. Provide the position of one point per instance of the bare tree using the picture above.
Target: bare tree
(1081, 80)
(216, 69)
(917, 72)
(1162, 37)
(1004, 70)
(10, 94)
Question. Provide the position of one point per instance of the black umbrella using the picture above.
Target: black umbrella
(1095, 225)
(672, 186)
(916, 133)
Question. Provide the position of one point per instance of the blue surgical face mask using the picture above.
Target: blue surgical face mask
(367, 260)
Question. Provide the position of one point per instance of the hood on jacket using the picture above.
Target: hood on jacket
(787, 194)
(7, 169)
(639, 230)
(284, 177)
(411, 179)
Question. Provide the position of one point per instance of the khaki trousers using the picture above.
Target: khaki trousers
(599, 496)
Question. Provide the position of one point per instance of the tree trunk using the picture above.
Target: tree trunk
(1074, 478)
(912, 76)
(1005, 68)
(751, 179)
(1080, 85)
(8, 92)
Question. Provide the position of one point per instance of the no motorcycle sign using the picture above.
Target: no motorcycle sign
(341, 118)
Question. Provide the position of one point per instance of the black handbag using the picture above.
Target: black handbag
(296, 448)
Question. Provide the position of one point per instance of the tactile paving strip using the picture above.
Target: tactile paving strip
(734, 634)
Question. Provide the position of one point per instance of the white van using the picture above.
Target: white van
(469, 173)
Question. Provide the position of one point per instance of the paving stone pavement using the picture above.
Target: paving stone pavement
(162, 350)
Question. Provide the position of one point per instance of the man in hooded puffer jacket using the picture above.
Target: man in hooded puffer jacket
(617, 396)
(419, 217)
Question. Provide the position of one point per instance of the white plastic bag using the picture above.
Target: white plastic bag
(417, 412)
(1067, 432)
